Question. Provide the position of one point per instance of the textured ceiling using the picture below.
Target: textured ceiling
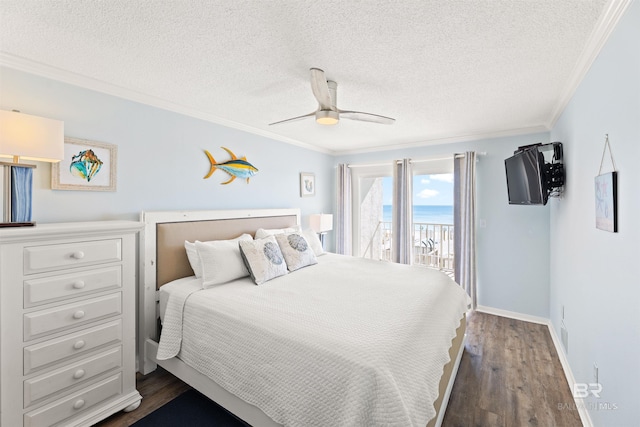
(445, 70)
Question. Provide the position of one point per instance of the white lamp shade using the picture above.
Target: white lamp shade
(31, 137)
(321, 223)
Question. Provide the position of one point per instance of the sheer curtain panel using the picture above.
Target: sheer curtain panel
(464, 222)
(343, 216)
(402, 216)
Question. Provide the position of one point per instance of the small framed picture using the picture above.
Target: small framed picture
(607, 202)
(307, 184)
(87, 165)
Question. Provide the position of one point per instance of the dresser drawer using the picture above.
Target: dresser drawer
(74, 404)
(39, 259)
(40, 291)
(58, 349)
(70, 315)
(52, 382)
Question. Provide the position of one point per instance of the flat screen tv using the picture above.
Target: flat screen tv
(526, 182)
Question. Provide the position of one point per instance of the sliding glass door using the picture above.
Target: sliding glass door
(432, 225)
(371, 191)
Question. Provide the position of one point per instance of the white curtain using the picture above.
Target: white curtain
(464, 222)
(343, 217)
(402, 216)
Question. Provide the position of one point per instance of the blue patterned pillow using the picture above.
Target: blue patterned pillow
(263, 259)
(296, 250)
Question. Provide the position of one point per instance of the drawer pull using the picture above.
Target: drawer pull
(78, 314)
(79, 404)
(79, 344)
(78, 284)
(78, 374)
(77, 255)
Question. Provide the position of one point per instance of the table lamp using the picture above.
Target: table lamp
(321, 223)
(24, 137)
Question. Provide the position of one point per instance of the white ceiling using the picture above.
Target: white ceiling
(445, 70)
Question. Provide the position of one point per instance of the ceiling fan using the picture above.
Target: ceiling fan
(327, 113)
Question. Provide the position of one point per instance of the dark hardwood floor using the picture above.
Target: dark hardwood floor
(509, 375)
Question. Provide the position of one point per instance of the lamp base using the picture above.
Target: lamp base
(16, 183)
(17, 224)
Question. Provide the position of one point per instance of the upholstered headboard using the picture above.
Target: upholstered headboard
(172, 262)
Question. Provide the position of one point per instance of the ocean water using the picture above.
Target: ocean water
(428, 214)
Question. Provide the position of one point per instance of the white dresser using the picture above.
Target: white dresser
(67, 323)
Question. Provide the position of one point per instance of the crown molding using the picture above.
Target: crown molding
(448, 140)
(614, 10)
(64, 76)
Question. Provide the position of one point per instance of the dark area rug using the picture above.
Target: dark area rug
(190, 409)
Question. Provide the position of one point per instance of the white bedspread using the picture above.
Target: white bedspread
(346, 342)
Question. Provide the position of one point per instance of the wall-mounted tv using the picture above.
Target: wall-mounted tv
(526, 182)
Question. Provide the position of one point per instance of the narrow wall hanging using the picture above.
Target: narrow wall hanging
(236, 167)
(87, 165)
(606, 186)
(307, 184)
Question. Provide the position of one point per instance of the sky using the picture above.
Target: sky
(434, 190)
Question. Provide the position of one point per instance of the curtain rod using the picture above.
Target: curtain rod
(457, 156)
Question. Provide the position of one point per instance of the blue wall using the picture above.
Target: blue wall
(594, 273)
(161, 162)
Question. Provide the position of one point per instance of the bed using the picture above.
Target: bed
(300, 352)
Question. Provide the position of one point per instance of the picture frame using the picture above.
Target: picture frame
(87, 166)
(307, 184)
(606, 195)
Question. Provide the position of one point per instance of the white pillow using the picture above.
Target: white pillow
(221, 262)
(261, 233)
(194, 259)
(296, 251)
(263, 258)
(314, 241)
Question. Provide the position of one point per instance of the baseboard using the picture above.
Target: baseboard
(564, 361)
(512, 315)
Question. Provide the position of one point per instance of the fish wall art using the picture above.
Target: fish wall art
(236, 167)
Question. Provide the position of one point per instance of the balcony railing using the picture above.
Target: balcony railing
(432, 244)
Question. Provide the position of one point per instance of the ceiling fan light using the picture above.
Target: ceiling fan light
(326, 121)
(327, 117)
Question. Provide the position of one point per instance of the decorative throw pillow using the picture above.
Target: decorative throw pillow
(261, 233)
(297, 252)
(263, 258)
(194, 258)
(314, 241)
(221, 262)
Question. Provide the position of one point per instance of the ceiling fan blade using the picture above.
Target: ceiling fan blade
(293, 119)
(366, 117)
(320, 88)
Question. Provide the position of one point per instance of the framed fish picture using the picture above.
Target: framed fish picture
(87, 166)
(307, 184)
